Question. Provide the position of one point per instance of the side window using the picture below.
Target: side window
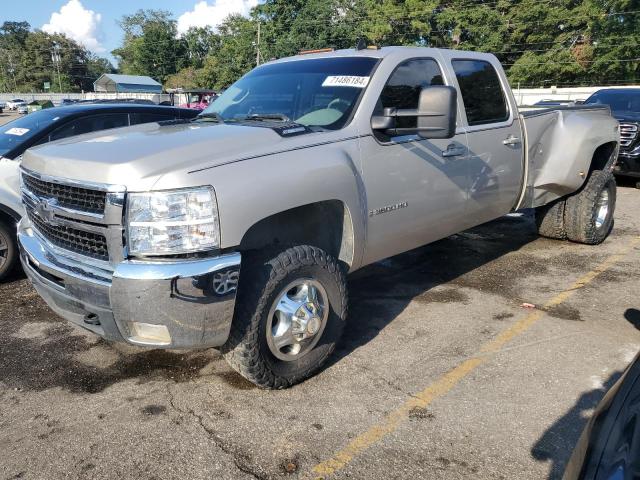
(404, 85)
(146, 117)
(91, 123)
(482, 94)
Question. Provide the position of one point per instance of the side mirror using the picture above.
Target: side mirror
(435, 115)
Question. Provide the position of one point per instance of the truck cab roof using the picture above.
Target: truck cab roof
(383, 52)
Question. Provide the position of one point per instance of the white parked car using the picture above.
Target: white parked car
(15, 103)
(22, 108)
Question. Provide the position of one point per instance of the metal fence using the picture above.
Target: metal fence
(57, 98)
(529, 96)
(524, 96)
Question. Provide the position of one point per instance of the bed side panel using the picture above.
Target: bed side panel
(560, 147)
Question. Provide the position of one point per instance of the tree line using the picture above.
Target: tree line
(30, 59)
(540, 42)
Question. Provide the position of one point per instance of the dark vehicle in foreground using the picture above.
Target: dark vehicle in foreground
(609, 448)
(625, 107)
(54, 124)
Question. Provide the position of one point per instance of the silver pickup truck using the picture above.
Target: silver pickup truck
(237, 230)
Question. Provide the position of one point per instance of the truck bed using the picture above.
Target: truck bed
(560, 142)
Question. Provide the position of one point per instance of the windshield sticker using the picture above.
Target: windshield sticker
(345, 81)
(17, 131)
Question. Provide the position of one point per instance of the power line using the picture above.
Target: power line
(553, 62)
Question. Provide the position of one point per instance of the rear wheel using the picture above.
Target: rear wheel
(550, 220)
(589, 213)
(8, 251)
(290, 314)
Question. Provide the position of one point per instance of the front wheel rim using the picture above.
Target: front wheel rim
(297, 319)
(602, 209)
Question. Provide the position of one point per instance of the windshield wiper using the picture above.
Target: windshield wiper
(280, 117)
(210, 115)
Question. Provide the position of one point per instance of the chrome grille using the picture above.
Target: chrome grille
(78, 241)
(76, 219)
(628, 134)
(77, 198)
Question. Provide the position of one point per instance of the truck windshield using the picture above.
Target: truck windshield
(14, 133)
(313, 92)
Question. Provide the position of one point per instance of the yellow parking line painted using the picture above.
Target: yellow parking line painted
(450, 379)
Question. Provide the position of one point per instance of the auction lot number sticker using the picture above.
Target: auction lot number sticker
(17, 131)
(346, 81)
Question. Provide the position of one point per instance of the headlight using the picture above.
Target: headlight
(172, 222)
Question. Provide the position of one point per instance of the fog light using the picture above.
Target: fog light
(149, 334)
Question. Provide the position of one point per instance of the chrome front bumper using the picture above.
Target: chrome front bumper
(192, 300)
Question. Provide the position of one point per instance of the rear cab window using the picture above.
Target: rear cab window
(90, 123)
(482, 94)
(147, 117)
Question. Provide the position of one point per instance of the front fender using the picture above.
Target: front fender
(251, 190)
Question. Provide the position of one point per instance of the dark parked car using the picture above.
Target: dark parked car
(625, 106)
(54, 124)
(609, 448)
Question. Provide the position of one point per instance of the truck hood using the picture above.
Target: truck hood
(137, 157)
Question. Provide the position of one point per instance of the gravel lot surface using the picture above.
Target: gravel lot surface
(442, 374)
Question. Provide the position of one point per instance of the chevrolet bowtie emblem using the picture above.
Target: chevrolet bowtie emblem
(44, 209)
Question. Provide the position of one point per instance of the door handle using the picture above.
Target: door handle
(454, 150)
(511, 140)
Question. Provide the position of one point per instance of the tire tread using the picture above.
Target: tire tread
(579, 211)
(242, 349)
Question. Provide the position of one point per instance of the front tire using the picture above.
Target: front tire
(290, 313)
(8, 251)
(589, 213)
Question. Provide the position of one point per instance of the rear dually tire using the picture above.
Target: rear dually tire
(589, 213)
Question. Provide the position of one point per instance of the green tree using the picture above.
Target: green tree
(27, 61)
(151, 46)
(563, 42)
(574, 42)
(198, 43)
(235, 55)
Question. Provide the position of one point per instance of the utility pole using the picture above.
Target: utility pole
(55, 56)
(258, 47)
(12, 70)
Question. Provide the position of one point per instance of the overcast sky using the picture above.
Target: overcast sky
(93, 22)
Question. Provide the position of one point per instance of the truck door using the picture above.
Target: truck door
(495, 139)
(416, 189)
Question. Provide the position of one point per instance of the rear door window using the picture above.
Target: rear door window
(482, 94)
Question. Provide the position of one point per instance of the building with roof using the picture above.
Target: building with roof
(110, 82)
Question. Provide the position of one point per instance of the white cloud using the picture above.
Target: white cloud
(212, 15)
(78, 23)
